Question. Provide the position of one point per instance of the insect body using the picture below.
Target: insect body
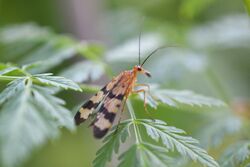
(110, 99)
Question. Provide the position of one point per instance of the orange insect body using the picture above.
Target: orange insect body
(109, 100)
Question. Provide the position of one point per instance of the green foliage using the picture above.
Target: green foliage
(29, 43)
(176, 97)
(112, 143)
(173, 138)
(30, 113)
(145, 154)
(56, 81)
(236, 154)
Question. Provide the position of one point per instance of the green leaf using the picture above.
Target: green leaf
(9, 69)
(173, 138)
(175, 97)
(29, 43)
(57, 81)
(12, 88)
(17, 40)
(146, 155)
(236, 154)
(112, 143)
(30, 117)
(83, 71)
(51, 53)
(129, 158)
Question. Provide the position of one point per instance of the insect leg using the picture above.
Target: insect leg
(145, 85)
(145, 104)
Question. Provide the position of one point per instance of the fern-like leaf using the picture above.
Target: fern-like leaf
(57, 81)
(175, 97)
(173, 139)
(112, 143)
(236, 154)
(29, 117)
(146, 155)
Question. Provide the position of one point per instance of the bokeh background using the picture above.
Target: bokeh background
(211, 56)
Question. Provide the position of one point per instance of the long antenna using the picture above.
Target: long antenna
(140, 47)
(142, 21)
(154, 51)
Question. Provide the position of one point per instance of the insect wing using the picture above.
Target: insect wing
(89, 107)
(108, 110)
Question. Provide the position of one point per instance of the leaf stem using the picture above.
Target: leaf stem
(9, 78)
(136, 128)
(89, 88)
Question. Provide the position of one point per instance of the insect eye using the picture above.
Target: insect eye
(139, 68)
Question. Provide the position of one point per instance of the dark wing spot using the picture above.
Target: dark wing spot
(111, 95)
(119, 97)
(78, 119)
(98, 133)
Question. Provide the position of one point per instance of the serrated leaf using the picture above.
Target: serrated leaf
(174, 139)
(176, 97)
(57, 81)
(236, 154)
(30, 117)
(129, 158)
(83, 71)
(7, 70)
(146, 155)
(12, 88)
(111, 144)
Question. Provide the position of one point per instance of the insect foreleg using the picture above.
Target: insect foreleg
(145, 85)
(144, 94)
(145, 104)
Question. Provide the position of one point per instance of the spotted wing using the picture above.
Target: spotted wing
(89, 107)
(109, 108)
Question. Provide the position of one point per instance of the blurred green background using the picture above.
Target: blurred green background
(212, 57)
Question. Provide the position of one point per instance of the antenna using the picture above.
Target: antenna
(142, 21)
(140, 47)
(154, 51)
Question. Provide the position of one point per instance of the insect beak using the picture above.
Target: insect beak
(147, 74)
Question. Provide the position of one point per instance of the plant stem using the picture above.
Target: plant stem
(89, 88)
(9, 78)
(136, 128)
